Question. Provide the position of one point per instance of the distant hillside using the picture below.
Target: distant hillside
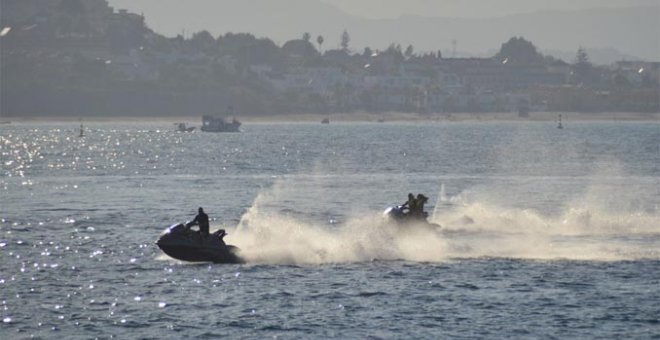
(632, 31)
(83, 58)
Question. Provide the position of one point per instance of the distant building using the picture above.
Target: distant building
(639, 73)
(320, 80)
(489, 74)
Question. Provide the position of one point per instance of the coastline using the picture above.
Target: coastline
(365, 117)
(456, 117)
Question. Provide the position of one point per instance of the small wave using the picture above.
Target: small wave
(370, 294)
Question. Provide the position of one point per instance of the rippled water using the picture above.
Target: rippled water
(547, 233)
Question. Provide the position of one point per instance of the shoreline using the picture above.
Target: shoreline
(358, 117)
(457, 117)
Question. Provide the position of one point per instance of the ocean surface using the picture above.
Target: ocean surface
(546, 233)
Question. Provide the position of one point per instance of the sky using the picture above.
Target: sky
(378, 9)
(620, 29)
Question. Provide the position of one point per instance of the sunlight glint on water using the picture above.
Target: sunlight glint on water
(535, 221)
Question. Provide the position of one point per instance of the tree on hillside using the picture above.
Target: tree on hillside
(581, 57)
(126, 34)
(520, 52)
(71, 17)
(345, 39)
(409, 51)
(394, 51)
(202, 41)
(319, 40)
(248, 50)
(583, 69)
(230, 43)
(72, 7)
(306, 36)
(299, 48)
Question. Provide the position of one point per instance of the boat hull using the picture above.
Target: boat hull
(228, 128)
(184, 244)
(410, 223)
(219, 124)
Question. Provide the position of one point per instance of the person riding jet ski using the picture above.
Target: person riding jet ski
(419, 212)
(182, 243)
(411, 212)
(202, 219)
(414, 207)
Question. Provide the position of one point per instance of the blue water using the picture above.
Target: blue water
(546, 233)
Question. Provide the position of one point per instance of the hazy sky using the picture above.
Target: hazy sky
(378, 9)
(471, 8)
(479, 26)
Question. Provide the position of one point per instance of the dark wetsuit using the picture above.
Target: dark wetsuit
(202, 219)
(420, 201)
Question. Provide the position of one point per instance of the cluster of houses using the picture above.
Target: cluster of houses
(480, 84)
(446, 85)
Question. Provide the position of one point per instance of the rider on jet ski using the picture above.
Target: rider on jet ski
(202, 219)
(415, 206)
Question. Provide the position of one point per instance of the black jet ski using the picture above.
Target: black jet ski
(185, 244)
(403, 218)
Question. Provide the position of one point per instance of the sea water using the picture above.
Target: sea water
(546, 233)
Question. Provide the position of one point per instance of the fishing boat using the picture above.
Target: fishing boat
(220, 124)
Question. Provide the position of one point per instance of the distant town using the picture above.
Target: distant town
(84, 58)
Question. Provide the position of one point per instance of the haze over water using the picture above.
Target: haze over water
(546, 232)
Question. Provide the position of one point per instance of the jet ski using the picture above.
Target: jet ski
(185, 244)
(403, 218)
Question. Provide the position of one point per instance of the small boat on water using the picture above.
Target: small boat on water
(181, 127)
(220, 124)
(184, 244)
(325, 121)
